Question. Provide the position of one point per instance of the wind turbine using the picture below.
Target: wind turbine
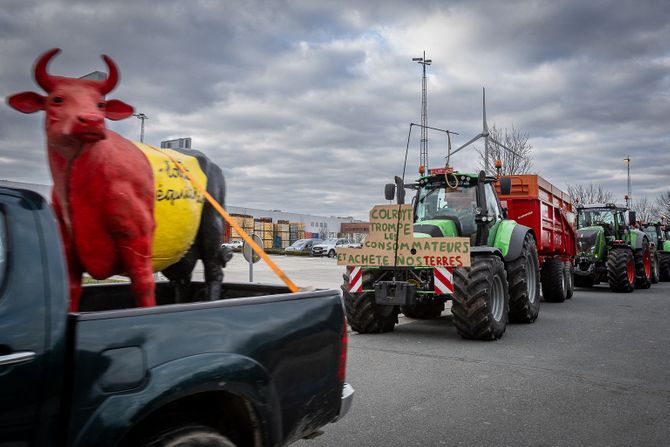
(486, 136)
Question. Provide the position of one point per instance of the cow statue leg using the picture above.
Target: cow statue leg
(210, 239)
(74, 268)
(136, 257)
(179, 275)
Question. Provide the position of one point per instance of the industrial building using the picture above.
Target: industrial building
(314, 226)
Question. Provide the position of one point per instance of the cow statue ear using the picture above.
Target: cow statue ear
(117, 110)
(27, 102)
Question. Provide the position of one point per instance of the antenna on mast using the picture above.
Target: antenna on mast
(423, 159)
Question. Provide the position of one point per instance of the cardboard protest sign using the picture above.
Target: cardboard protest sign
(390, 221)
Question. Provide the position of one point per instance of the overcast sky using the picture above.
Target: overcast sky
(306, 104)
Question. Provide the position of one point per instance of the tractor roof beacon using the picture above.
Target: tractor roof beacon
(501, 284)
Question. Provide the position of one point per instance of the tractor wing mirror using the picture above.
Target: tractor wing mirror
(505, 185)
(631, 217)
(389, 191)
(400, 186)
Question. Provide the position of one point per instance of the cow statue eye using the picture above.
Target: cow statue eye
(101, 105)
(57, 100)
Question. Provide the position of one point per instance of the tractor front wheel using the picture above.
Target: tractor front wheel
(664, 258)
(554, 286)
(523, 276)
(621, 270)
(655, 268)
(364, 315)
(481, 298)
(569, 280)
(643, 267)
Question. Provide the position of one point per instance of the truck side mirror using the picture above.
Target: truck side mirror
(505, 185)
(389, 191)
(631, 217)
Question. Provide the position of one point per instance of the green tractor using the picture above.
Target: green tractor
(609, 250)
(658, 236)
(501, 284)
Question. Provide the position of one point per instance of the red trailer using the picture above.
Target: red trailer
(534, 202)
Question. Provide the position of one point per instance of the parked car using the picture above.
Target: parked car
(328, 247)
(303, 245)
(234, 244)
(190, 373)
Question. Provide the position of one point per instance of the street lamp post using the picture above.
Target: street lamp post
(142, 117)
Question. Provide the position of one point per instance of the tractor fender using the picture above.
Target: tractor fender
(515, 241)
(637, 239)
(484, 250)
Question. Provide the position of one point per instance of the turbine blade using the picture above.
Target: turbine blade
(505, 147)
(468, 143)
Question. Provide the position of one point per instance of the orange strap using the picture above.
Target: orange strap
(259, 250)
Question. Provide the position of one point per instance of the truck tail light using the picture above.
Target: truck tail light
(342, 366)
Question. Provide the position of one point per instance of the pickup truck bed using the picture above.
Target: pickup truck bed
(260, 366)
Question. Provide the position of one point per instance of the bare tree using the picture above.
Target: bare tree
(645, 210)
(584, 194)
(519, 163)
(663, 204)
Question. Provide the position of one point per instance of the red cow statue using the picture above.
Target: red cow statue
(108, 192)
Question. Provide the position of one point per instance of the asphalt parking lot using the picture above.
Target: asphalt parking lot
(594, 371)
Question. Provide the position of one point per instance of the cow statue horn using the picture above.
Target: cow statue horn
(44, 79)
(108, 84)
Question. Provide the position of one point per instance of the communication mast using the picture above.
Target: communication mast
(423, 160)
(629, 197)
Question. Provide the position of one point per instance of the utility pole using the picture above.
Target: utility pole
(423, 159)
(629, 197)
(142, 117)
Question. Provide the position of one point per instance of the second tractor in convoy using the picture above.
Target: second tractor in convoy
(610, 250)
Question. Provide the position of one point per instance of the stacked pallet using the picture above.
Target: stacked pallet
(246, 222)
(282, 239)
(296, 231)
(264, 229)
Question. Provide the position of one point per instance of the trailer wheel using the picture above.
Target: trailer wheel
(643, 267)
(481, 298)
(363, 314)
(655, 267)
(664, 271)
(423, 311)
(523, 276)
(569, 280)
(554, 287)
(621, 270)
(191, 436)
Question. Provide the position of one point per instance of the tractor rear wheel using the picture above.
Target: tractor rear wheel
(655, 267)
(664, 270)
(364, 315)
(569, 280)
(481, 298)
(423, 311)
(523, 276)
(554, 287)
(621, 270)
(643, 267)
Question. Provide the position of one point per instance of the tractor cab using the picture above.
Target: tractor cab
(450, 203)
(598, 225)
(654, 230)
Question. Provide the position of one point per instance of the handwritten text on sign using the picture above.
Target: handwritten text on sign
(387, 221)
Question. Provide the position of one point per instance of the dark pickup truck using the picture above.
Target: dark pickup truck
(259, 367)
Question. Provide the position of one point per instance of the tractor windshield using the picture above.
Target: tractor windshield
(651, 232)
(595, 216)
(441, 202)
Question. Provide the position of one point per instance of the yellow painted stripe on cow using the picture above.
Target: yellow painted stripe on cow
(177, 207)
